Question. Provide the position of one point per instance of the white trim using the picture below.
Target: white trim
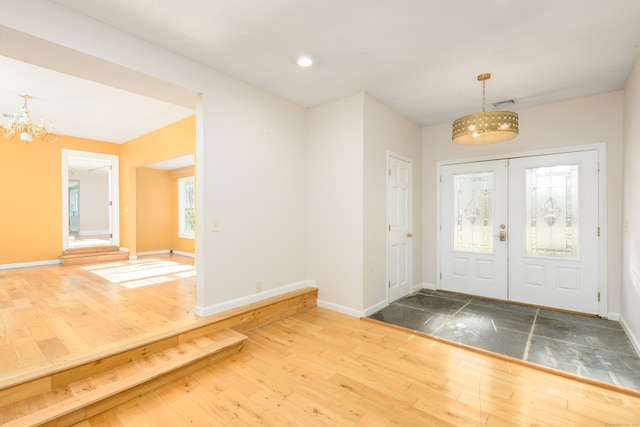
(410, 213)
(602, 206)
(167, 252)
(341, 309)
(507, 156)
(635, 341)
(430, 286)
(182, 253)
(375, 308)
(114, 189)
(161, 252)
(613, 316)
(29, 264)
(250, 299)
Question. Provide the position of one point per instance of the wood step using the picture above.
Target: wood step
(71, 396)
(25, 392)
(93, 254)
(91, 249)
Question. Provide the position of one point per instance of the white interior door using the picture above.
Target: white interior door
(553, 253)
(399, 247)
(524, 229)
(474, 217)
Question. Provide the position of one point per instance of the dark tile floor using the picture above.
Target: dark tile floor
(586, 346)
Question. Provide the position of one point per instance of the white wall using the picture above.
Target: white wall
(631, 237)
(335, 225)
(94, 202)
(250, 147)
(584, 121)
(386, 130)
(254, 165)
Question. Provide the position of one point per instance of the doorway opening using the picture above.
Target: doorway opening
(89, 199)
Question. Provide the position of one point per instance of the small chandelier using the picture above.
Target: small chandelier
(487, 127)
(22, 125)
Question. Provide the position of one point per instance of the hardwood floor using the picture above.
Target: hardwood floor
(55, 314)
(317, 367)
(323, 368)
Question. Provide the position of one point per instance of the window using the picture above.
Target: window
(186, 211)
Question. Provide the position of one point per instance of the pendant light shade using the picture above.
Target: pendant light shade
(487, 127)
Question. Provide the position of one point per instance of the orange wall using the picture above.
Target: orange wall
(31, 196)
(31, 188)
(175, 140)
(154, 210)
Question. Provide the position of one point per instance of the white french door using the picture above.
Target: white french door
(399, 247)
(474, 213)
(524, 230)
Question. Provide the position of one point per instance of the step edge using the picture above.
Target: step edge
(203, 322)
(96, 395)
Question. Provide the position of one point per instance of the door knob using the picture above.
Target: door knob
(409, 234)
(502, 236)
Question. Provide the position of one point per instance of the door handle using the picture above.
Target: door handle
(409, 234)
(502, 236)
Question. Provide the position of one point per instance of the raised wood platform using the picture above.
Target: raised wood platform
(69, 393)
(92, 254)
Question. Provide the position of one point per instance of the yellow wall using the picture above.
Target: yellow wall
(31, 188)
(31, 196)
(175, 140)
(154, 207)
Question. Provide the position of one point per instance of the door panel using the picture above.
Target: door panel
(399, 239)
(524, 230)
(474, 201)
(553, 255)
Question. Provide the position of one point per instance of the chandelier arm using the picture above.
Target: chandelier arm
(22, 125)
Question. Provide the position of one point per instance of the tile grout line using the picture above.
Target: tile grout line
(525, 356)
(451, 317)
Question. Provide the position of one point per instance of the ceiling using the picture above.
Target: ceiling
(419, 57)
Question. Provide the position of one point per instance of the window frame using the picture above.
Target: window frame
(183, 230)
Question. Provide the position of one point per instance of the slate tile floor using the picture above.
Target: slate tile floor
(586, 346)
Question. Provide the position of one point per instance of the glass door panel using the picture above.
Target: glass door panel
(552, 226)
(473, 206)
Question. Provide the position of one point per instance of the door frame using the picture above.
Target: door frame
(602, 207)
(114, 191)
(389, 155)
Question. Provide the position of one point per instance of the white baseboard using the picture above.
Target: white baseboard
(166, 252)
(376, 307)
(250, 299)
(430, 286)
(613, 316)
(147, 253)
(635, 342)
(181, 253)
(29, 264)
(382, 304)
(341, 309)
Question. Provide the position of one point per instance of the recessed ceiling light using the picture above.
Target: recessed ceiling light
(304, 61)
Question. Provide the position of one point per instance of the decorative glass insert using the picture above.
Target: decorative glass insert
(473, 211)
(551, 198)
